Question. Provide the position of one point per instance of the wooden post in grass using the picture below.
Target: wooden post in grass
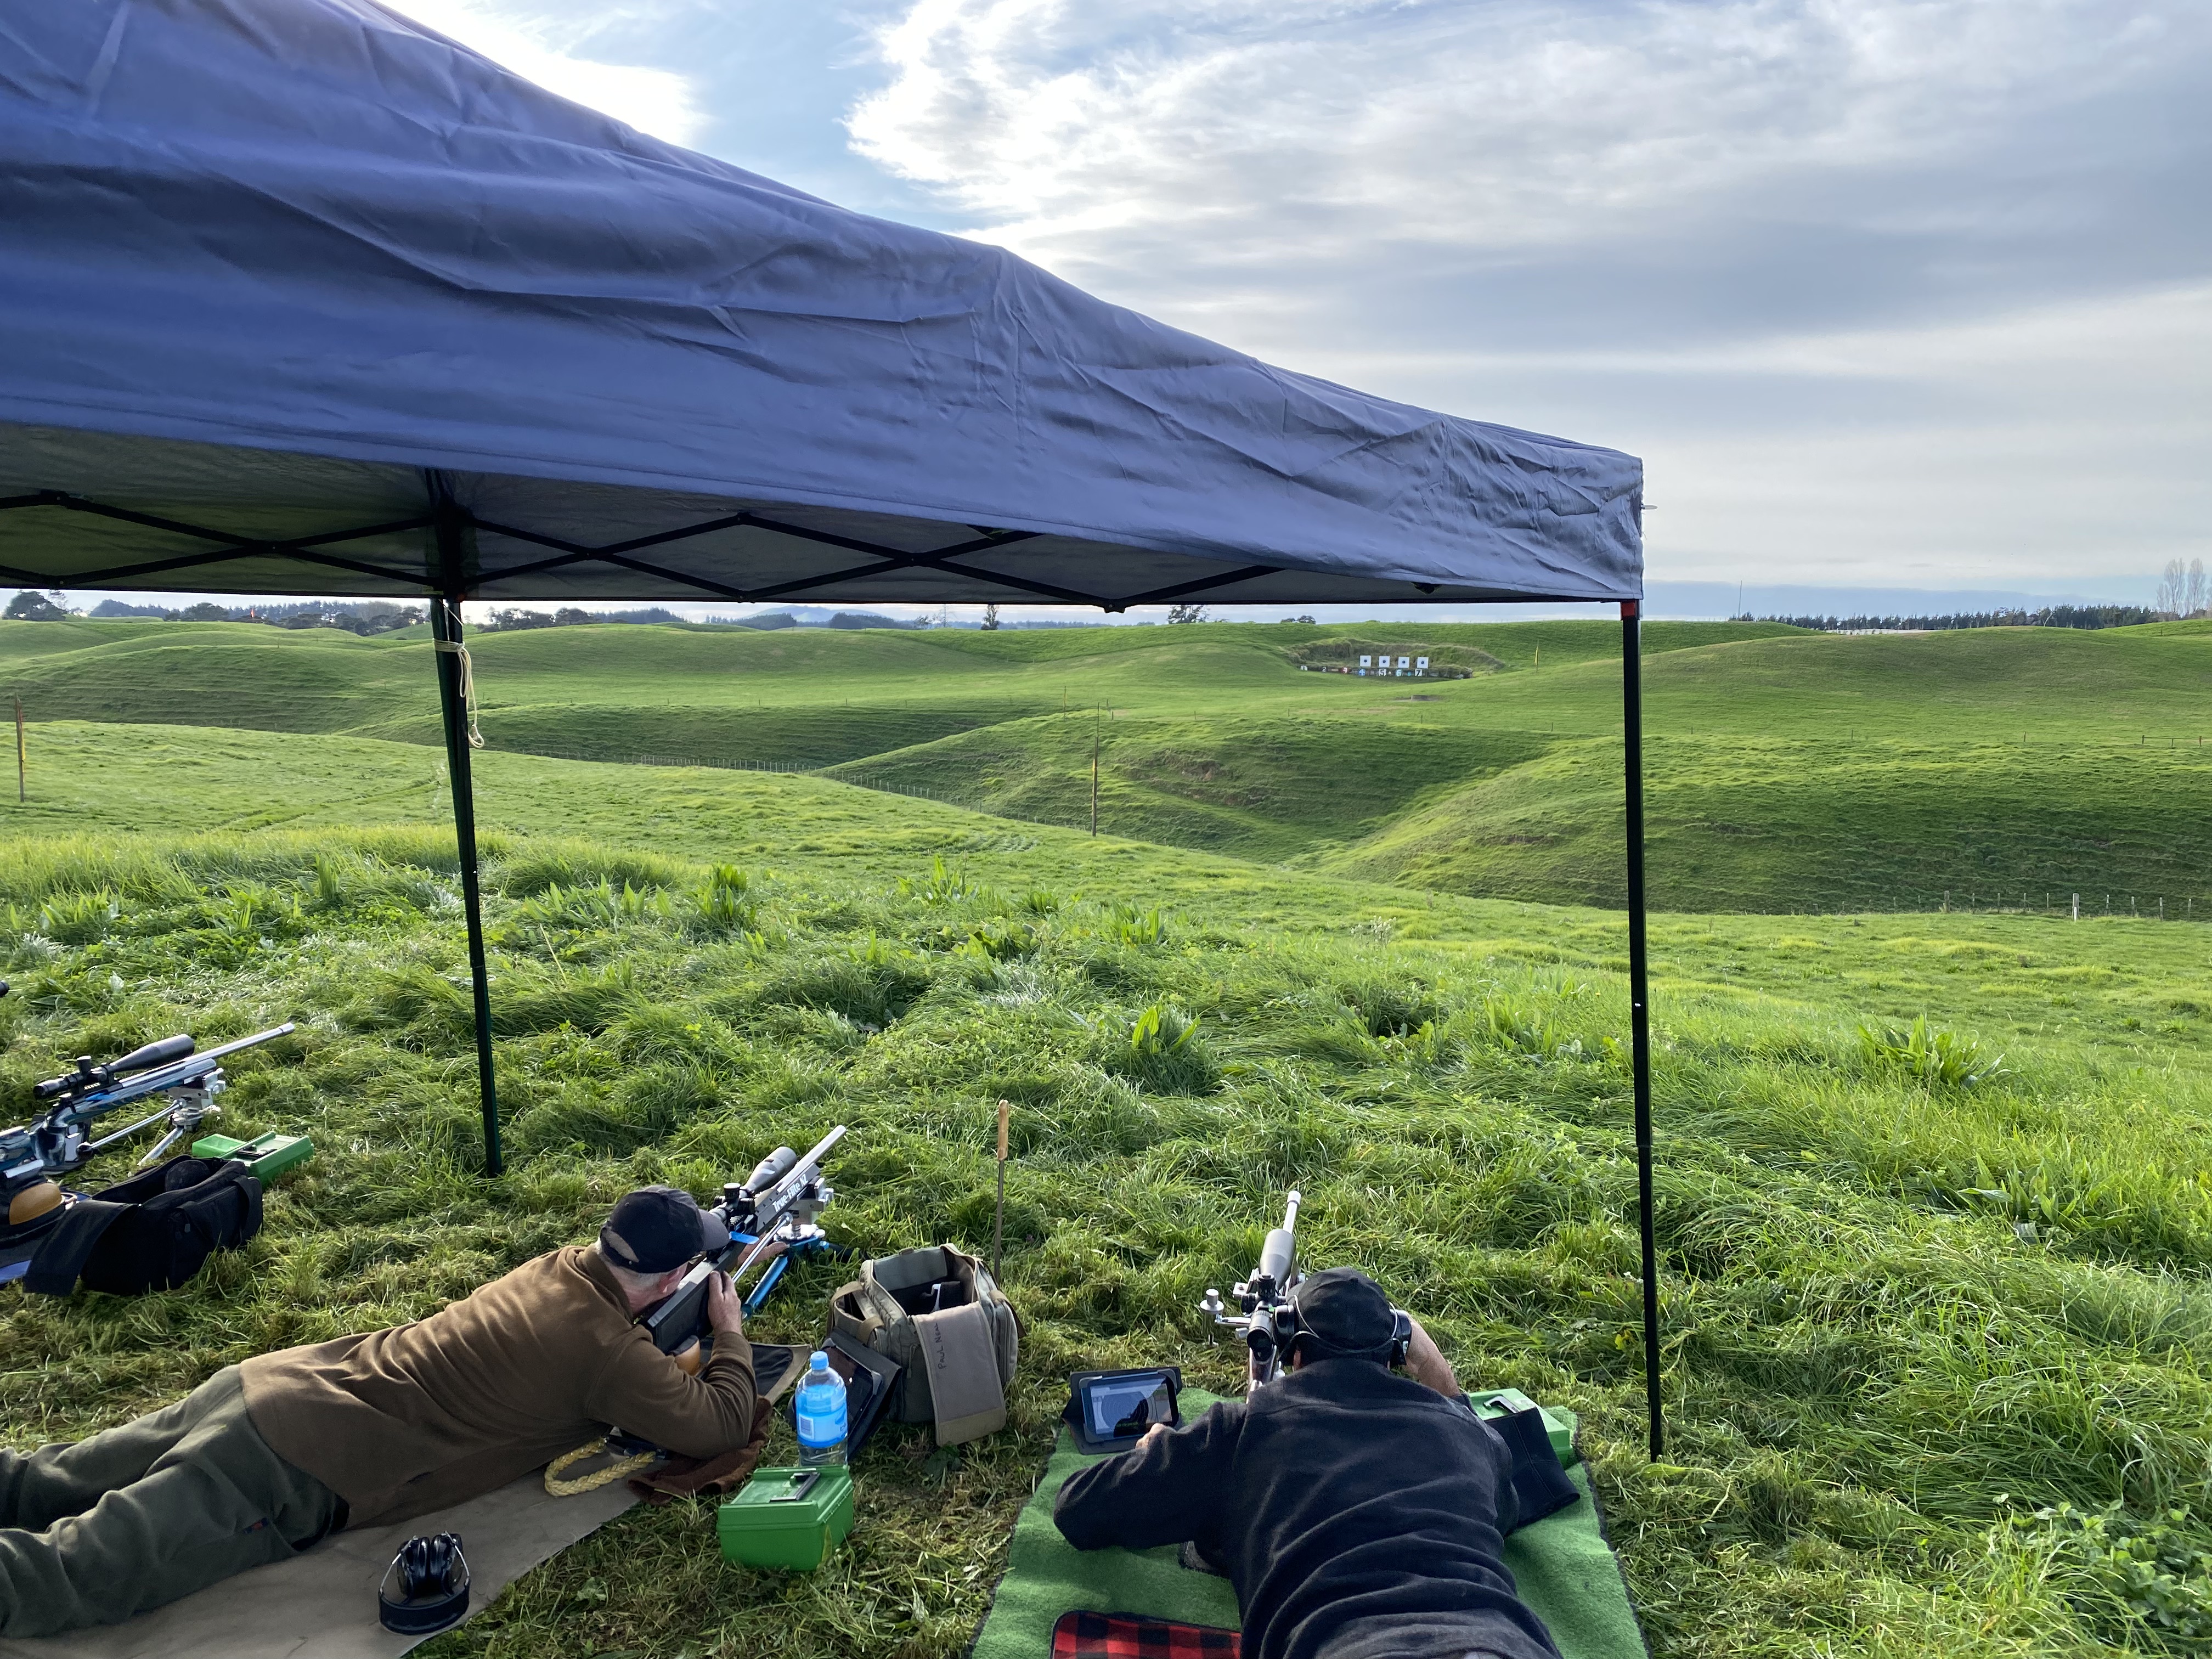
(999, 1231)
(1094, 770)
(20, 794)
(2077, 907)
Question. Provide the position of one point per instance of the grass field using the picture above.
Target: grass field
(1789, 771)
(1938, 1333)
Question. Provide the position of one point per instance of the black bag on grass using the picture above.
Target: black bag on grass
(152, 1232)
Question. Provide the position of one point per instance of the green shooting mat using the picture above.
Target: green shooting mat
(1562, 1564)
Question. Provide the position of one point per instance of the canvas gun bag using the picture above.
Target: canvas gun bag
(939, 1314)
(151, 1232)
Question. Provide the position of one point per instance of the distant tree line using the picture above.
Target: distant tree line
(360, 616)
(2056, 616)
(570, 616)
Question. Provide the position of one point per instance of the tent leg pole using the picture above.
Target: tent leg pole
(445, 629)
(1639, 1000)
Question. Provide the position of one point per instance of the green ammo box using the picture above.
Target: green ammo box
(1497, 1403)
(764, 1526)
(266, 1156)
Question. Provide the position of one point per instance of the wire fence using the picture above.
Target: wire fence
(716, 763)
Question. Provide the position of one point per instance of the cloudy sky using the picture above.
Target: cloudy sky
(1888, 293)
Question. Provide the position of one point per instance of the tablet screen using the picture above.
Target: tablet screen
(1116, 1408)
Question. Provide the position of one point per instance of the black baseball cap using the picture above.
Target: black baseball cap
(1344, 1315)
(657, 1228)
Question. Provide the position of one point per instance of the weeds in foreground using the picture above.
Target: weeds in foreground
(1165, 1051)
(1939, 1060)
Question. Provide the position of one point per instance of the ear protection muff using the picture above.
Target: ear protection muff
(426, 1588)
(1392, 1353)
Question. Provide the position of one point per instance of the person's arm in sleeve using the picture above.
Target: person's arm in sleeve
(1162, 1490)
(645, 1392)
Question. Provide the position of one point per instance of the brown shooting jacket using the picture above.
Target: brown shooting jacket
(403, 1421)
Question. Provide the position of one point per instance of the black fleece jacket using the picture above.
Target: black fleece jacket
(1359, 1514)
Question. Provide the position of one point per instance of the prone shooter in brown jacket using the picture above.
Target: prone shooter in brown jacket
(271, 1457)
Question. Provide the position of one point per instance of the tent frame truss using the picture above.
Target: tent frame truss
(448, 515)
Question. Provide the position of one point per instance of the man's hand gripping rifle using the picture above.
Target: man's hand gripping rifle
(1268, 1321)
(774, 1211)
(56, 1143)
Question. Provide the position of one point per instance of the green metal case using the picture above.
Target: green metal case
(1497, 1403)
(764, 1526)
(266, 1156)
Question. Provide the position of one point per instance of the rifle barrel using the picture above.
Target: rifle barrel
(164, 1076)
(821, 1151)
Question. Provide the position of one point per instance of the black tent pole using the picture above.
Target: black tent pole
(446, 631)
(1639, 998)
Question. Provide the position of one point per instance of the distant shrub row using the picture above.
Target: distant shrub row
(2057, 615)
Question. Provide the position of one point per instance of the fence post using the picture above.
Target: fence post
(2077, 907)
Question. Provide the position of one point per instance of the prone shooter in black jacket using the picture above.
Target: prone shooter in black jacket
(1359, 1513)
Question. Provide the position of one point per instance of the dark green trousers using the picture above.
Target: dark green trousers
(142, 1514)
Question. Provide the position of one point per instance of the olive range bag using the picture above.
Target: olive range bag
(939, 1315)
(151, 1232)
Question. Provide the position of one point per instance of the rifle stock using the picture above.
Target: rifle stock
(777, 1204)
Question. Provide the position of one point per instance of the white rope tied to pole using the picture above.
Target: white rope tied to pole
(468, 686)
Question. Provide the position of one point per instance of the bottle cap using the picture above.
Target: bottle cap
(818, 1361)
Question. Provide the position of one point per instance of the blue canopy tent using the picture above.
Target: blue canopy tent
(301, 297)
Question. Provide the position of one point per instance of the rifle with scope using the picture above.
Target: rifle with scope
(57, 1143)
(1265, 1318)
(1269, 1319)
(775, 1211)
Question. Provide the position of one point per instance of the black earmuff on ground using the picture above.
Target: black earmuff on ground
(426, 1588)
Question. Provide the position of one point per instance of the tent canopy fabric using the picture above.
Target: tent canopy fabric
(285, 281)
(300, 297)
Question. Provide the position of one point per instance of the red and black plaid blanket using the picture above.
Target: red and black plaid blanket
(1127, 1636)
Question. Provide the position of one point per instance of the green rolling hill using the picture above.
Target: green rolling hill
(1788, 770)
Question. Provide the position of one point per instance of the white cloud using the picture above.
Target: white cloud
(546, 46)
(1909, 289)
(1487, 126)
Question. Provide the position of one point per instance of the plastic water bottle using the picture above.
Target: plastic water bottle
(820, 1409)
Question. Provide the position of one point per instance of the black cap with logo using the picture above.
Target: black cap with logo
(657, 1228)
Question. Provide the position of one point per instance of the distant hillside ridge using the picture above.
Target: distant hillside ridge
(1785, 770)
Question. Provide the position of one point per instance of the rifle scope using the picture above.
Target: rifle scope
(165, 1052)
(1281, 1249)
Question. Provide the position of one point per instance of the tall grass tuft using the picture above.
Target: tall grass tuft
(1938, 1060)
(1164, 1051)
